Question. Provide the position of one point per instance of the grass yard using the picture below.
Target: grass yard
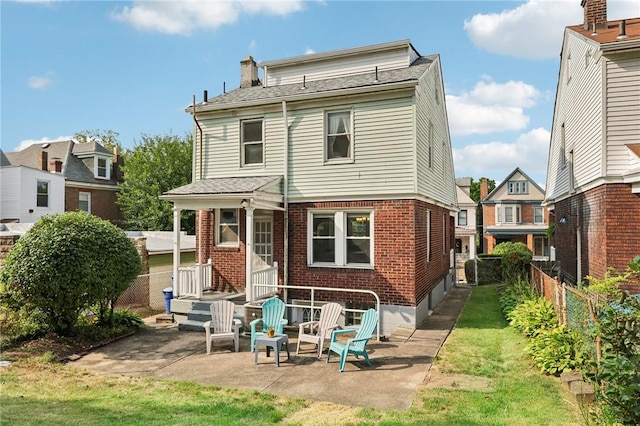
(481, 377)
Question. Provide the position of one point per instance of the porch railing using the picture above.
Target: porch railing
(193, 280)
(264, 282)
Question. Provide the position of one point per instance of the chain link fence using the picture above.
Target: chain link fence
(145, 291)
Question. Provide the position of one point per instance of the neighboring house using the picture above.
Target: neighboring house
(338, 166)
(27, 194)
(90, 173)
(513, 212)
(465, 222)
(593, 177)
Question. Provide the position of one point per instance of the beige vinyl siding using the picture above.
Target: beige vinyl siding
(501, 193)
(623, 110)
(222, 146)
(383, 159)
(338, 68)
(438, 181)
(579, 108)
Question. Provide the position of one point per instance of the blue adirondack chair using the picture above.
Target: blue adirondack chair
(358, 345)
(272, 316)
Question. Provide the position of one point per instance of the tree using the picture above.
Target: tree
(69, 263)
(156, 165)
(106, 138)
(475, 188)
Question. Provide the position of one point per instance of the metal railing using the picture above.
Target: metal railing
(313, 305)
(264, 282)
(193, 280)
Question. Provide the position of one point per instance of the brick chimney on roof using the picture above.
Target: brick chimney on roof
(43, 161)
(55, 165)
(248, 73)
(484, 189)
(595, 13)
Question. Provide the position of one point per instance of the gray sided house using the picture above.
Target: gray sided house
(334, 170)
(593, 173)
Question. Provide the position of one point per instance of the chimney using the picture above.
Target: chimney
(595, 14)
(248, 73)
(622, 29)
(484, 189)
(55, 165)
(43, 161)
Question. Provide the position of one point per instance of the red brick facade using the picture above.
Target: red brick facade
(608, 221)
(103, 203)
(401, 275)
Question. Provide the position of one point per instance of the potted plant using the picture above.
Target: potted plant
(271, 332)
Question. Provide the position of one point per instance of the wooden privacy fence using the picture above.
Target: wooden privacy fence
(574, 308)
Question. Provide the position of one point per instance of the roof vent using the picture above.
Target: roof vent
(622, 30)
(45, 145)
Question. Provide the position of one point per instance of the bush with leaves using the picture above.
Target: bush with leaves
(532, 317)
(516, 258)
(617, 375)
(514, 293)
(556, 350)
(68, 263)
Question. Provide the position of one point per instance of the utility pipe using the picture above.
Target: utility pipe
(285, 197)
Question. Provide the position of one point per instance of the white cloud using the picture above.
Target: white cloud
(185, 16)
(491, 107)
(28, 142)
(497, 159)
(41, 81)
(309, 51)
(534, 30)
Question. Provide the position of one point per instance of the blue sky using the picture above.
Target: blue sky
(133, 66)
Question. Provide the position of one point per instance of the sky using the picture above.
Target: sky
(134, 66)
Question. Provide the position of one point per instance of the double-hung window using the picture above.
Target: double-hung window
(341, 238)
(227, 227)
(518, 187)
(101, 168)
(506, 213)
(84, 201)
(462, 218)
(42, 197)
(339, 141)
(252, 142)
(538, 215)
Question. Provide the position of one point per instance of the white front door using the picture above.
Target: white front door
(262, 242)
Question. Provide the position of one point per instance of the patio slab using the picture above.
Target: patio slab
(399, 365)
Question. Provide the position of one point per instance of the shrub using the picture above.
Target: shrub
(67, 263)
(556, 350)
(531, 317)
(470, 271)
(489, 270)
(515, 293)
(516, 258)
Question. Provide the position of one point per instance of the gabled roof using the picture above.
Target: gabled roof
(609, 37)
(506, 181)
(257, 95)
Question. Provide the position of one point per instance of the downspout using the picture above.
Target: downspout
(285, 196)
(199, 177)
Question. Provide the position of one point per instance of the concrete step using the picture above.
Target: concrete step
(191, 325)
(198, 315)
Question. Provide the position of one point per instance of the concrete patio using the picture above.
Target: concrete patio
(399, 364)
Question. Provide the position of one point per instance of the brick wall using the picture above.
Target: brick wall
(6, 243)
(608, 218)
(103, 203)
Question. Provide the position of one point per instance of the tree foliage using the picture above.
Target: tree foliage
(516, 258)
(475, 188)
(106, 138)
(156, 165)
(68, 263)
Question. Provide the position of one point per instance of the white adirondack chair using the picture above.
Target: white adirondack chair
(222, 325)
(317, 331)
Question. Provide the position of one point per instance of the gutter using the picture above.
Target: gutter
(285, 195)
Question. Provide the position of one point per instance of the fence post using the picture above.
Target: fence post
(564, 303)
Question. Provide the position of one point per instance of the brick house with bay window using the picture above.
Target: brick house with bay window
(335, 165)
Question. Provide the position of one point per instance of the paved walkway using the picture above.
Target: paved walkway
(398, 370)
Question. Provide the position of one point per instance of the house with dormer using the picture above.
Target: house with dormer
(593, 172)
(513, 212)
(88, 170)
(336, 166)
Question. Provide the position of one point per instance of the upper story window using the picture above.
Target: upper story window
(101, 168)
(42, 197)
(252, 142)
(518, 187)
(339, 142)
(462, 218)
(428, 235)
(84, 201)
(227, 227)
(340, 238)
(538, 215)
(508, 214)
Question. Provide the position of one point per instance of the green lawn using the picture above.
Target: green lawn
(482, 346)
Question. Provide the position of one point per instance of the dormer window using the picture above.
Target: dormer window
(101, 168)
(518, 187)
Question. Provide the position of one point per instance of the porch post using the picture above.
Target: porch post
(248, 252)
(176, 250)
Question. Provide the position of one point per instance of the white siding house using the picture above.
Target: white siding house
(27, 194)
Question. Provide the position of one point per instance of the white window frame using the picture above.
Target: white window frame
(444, 234)
(243, 144)
(327, 134)
(541, 210)
(96, 168)
(88, 195)
(340, 238)
(460, 214)
(220, 224)
(518, 187)
(38, 194)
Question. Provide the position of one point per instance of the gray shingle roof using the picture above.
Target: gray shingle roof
(237, 185)
(275, 93)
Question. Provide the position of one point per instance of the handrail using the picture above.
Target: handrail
(341, 290)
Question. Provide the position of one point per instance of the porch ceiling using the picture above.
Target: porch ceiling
(263, 192)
